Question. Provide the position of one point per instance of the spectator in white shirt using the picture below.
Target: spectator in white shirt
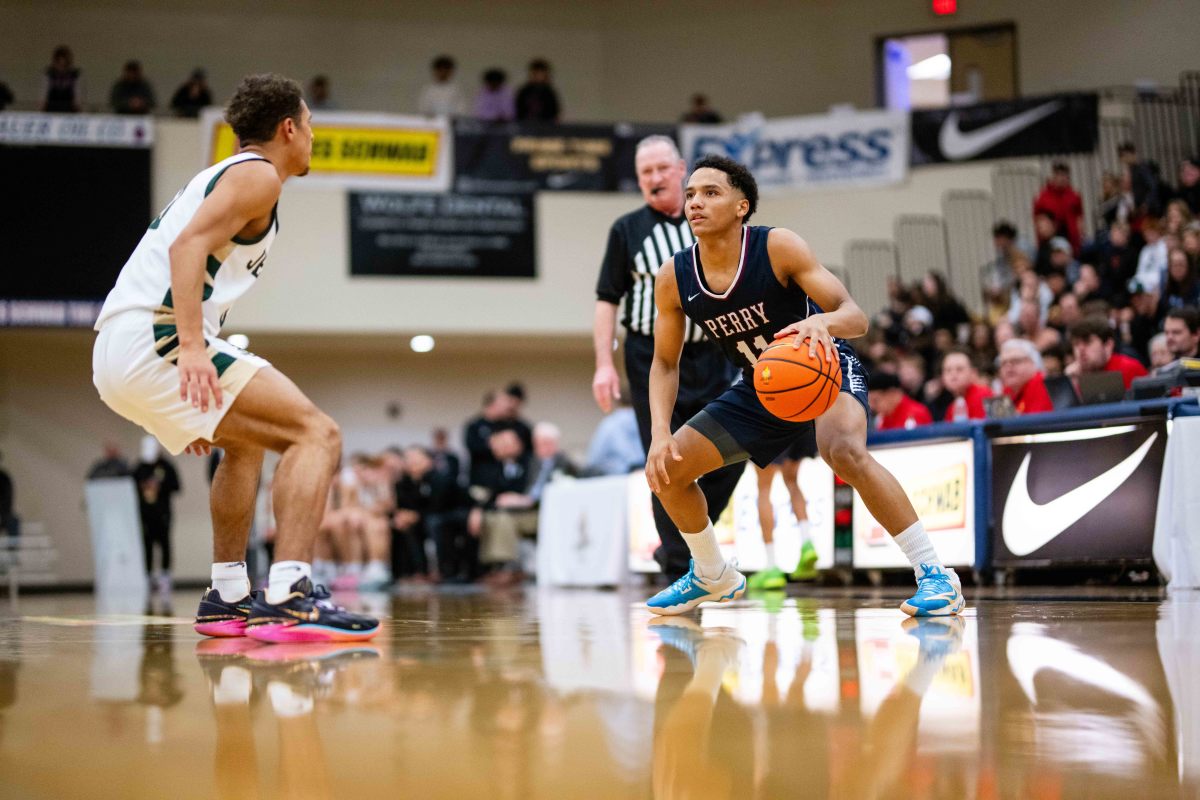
(442, 97)
(1152, 261)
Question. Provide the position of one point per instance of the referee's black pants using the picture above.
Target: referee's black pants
(704, 373)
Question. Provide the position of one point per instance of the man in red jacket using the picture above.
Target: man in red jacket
(960, 379)
(1062, 202)
(891, 408)
(1021, 374)
(1093, 341)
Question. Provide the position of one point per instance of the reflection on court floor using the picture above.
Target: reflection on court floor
(584, 694)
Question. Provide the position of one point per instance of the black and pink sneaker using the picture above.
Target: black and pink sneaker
(215, 617)
(307, 615)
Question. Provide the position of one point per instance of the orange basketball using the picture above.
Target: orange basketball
(793, 386)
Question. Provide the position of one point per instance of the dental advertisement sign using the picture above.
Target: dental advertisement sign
(939, 479)
(842, 149)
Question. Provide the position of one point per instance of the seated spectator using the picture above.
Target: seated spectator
(6, 96)
(701, 111)
(495, 102)
(193, 95)
(441, 97)
(616, 446)
(111, 465)
(891, 408)
(1031, 326)
(1021, 376)
(911, 369)
(1160, 353)
(499, 412)
(1109, 202)
(1152, 260)
(549, 461)
(1094, 345)
(1062, 263)
(63, 88)
(445, 460)
(1178, 217)
(1088, 287)
(1002, 333)
(1143, 179)
(997, 276)
(504, 514)
(319, 98)
(1182, 288)
(1191, 244)
(431, 504)
(948, 311)
(962, 381)
(1062, 203)
(1189, 184)
(1067, 312)
(354, 533)
(1046, 228)
(982, 342)
(1054, 361)
(537, 101)
(1033, 290)
(132, 93)
(1182, 327)
(1138, 321)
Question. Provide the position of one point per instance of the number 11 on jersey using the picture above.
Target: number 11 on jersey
(750, 355)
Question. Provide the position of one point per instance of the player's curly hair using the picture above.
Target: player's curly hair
(739, 178)
(260, 103)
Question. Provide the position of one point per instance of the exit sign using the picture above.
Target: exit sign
(943, 7)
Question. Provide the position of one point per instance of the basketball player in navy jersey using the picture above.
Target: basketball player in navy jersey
(746, 286)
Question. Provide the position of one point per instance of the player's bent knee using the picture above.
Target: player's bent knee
(848, 457)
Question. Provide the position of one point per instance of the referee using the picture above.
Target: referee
(638, 244)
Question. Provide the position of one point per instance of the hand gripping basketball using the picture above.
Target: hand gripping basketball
(795, 385)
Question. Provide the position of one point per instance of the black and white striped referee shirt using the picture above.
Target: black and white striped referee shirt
(638, 244)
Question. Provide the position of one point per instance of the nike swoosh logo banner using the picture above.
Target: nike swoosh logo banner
(1071, 474)
(1067, 123)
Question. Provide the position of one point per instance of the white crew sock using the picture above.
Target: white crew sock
(916, 546)
(770, 548)
(230, 580)
(283, 575)
(705, 552)
(805, 533)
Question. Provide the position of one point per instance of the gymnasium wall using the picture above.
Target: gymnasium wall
(614, 60)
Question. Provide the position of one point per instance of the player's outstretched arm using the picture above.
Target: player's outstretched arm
(247, 192)
(793, 260)
(664, 375)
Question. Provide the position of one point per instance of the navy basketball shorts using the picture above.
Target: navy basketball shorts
(741, 428)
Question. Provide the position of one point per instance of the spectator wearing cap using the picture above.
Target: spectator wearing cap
(1094, 345)
(537, 101)
(132, 93)
(891, 408)
(1060, 200)
(1152, 261)
(1182, 327)
(63, 88)
(961, 380)
(1062, 261)
(192, 96)
(1020, 366)
(495, 102)
(441, 97)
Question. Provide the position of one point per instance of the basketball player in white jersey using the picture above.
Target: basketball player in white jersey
(159, 362)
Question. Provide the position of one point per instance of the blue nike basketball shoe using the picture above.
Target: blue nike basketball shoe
(691, 590)
(939, 594)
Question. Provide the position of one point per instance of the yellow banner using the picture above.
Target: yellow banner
(940, 498)
(357, 150)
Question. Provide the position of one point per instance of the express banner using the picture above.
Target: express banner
(868, 148)
(441, 235)
(939, 479)
(364, 151)
(521, 158)
(1034, 126)
(1074, 497)
(76, 130)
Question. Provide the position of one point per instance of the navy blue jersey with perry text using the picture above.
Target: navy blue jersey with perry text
(744, 319)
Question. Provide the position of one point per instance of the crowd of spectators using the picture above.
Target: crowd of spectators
(421, 514)
(1116, 295)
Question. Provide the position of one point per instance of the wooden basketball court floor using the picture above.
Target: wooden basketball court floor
(563, 694)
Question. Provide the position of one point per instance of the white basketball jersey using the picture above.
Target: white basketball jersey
(145, 280)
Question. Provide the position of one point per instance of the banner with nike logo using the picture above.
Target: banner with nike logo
(1033, 126)
(1077, 497)
(524, 157)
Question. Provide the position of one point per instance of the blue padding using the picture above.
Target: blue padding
(938, 430)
